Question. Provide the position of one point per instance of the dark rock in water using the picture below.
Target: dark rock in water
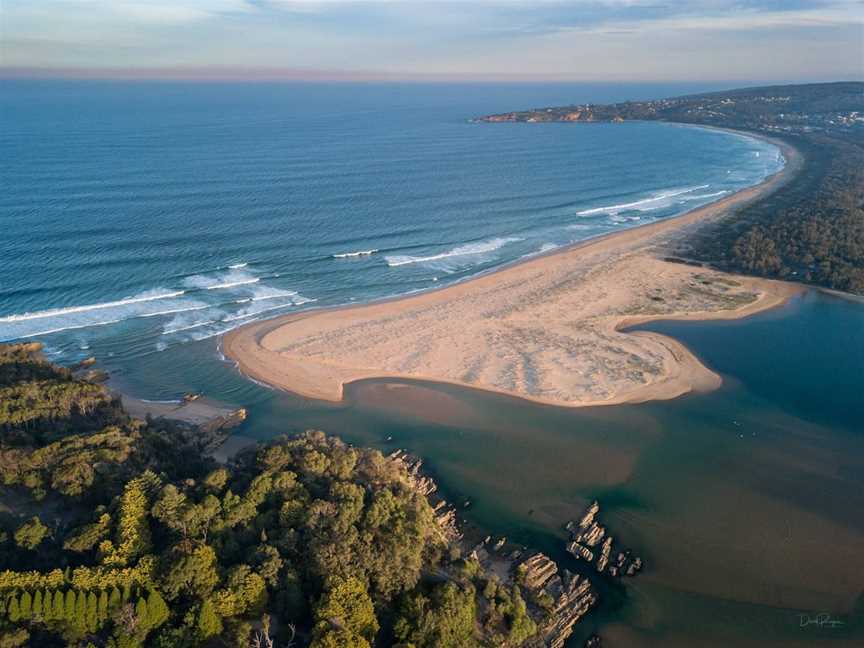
(86, 363)
(569, 596)
(594, 641)
(590, 541)
(556, 599)
(93, 375)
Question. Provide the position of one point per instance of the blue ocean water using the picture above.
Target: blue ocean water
(139, 217)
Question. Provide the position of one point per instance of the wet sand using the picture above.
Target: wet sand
(548, 329)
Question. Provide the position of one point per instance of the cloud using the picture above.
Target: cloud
(435, 36)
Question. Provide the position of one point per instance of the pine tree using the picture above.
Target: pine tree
(114, 600)
(102, 607)
(141, 612)
(38, 607)
(127, 592)
(92, 616)
(26, 606)
(69, 607)
(58, 607)
(209, 623)
(14, 609)
(80, 622)
(157, 610)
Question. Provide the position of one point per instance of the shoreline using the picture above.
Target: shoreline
(404, 337)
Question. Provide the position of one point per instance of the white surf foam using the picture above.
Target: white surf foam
(260, 293)
(646, 204)
(233, 284)
(705, 196)
(171, 311)
(469, 249)
(237, 266)
(359, 253)
(168, 329)
(150, 295)
(61, 329)
(252, 307)
(233, 278)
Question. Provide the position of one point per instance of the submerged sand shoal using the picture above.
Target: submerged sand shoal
(548, 329)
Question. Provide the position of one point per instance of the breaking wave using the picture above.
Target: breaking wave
(469, 249)
(359, 253)
(150, 295)
(655, 201)
(233, 284)
(239, 296)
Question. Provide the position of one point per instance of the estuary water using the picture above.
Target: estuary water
(139, 217)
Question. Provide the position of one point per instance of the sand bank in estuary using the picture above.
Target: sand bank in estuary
(548, 329)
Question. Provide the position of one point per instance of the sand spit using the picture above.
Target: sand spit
(548, 329)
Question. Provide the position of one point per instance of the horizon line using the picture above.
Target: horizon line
(252, 74)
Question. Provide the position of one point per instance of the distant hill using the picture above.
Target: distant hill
(823, 107)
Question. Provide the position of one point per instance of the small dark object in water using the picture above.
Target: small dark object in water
(594, 641)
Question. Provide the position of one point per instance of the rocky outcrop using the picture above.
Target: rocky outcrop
(423, 484)
(568, 596)
(445, 513)
(201, 422)
(587, 534)
(557, 599)
(212, 434)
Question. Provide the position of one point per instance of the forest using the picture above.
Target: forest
(810, 230)
(115, 534)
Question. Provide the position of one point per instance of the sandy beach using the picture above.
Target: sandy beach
(549, 329)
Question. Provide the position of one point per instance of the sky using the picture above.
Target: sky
(578, 40)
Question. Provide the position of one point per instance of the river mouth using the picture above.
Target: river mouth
(745, 502)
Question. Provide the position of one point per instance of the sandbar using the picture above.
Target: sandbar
(549, 329)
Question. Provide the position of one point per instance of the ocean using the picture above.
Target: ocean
(141, 217)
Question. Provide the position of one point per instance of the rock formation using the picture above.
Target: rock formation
(587, 534)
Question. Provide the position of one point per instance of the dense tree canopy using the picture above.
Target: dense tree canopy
(811, 230)
(335, 545)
